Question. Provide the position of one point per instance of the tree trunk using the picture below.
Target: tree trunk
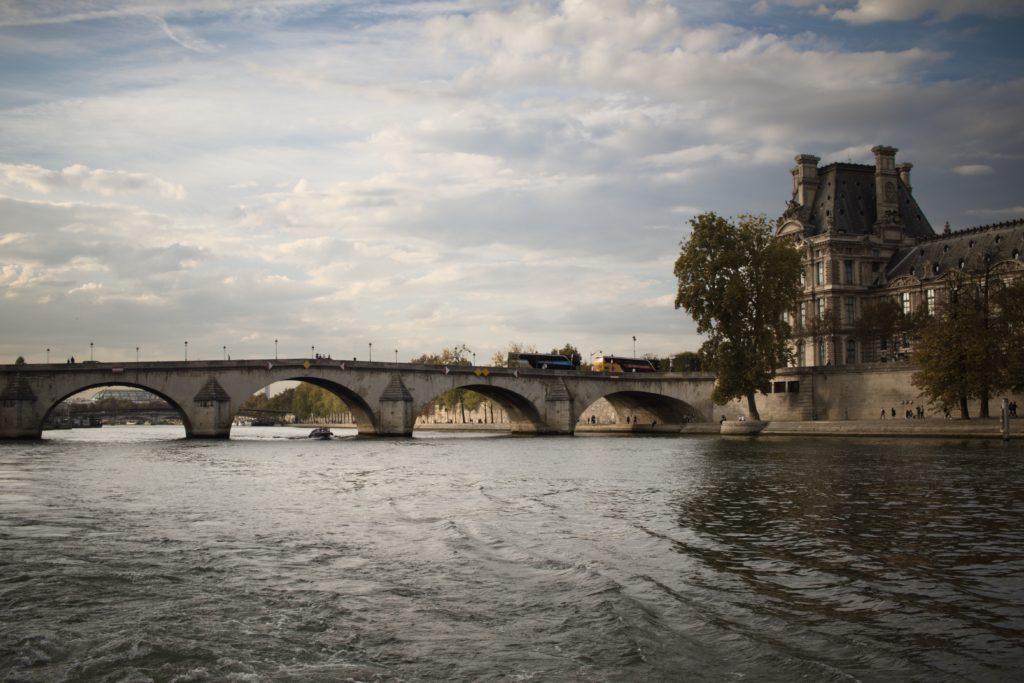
(964, 413)
(752, 406)
(983, 409)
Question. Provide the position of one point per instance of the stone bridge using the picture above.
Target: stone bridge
(385, 398)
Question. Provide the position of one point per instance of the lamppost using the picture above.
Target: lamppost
(136, 354)
(47, 355)
(90, 352)
(474, 359)
(225, 350)
(312, 351)
(396, 356)
(634, 346)
(371, 352)
(275, 349)
(186, 351)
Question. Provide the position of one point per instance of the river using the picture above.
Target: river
(132, 554)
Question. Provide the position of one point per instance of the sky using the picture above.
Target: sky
(419, 175)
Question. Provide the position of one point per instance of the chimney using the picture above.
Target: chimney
(905, 176)
(805, 179)
(886, 203)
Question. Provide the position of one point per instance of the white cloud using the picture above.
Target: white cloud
(79, 177)
(871, 11)
(973, 169)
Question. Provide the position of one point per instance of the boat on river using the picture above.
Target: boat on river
(321, 433)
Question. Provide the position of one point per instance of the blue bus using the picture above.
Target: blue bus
(541, 361)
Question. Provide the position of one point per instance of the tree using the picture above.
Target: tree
(571, 352)
(971, 347)
(500, 359)
(461, 398)
(738, 282)
(687, 361)
(20, 360)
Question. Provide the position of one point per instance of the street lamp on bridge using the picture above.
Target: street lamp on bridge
(275, 349)
(136, 354)
(371, 352)
(186, 351)
(47, 355)
(396, 356)
(90, 352)
(634, 346)
(225, 350)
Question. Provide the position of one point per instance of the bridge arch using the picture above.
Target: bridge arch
(521, 411)
(185, 421)
(364, 416)
(645, 410)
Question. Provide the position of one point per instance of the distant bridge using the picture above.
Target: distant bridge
(384, 398)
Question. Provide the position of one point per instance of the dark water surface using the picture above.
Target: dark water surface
(131, 554)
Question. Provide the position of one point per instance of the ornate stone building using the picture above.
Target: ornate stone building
(864, 238)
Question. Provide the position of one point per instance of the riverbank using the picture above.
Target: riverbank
(977, 428)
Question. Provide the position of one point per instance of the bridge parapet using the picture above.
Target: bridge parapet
(385, 398)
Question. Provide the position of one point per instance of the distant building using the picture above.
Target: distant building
(864, 238)
(125, 394)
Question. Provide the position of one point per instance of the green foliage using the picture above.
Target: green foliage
(571, 352)
(20, 360)
(455, 355)
(500, 359)
(687, 361)
(881, 325)
(737, 281)
(971, 347)
(464, 399)
(306, 401)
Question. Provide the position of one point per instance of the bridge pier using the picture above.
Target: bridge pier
(209, 416)
(396, 415)
(558, 414)
(19, 410)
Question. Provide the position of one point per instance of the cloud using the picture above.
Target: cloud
(973, 169)
(79, 177)
(872, 11)
(185, 38)
(1008, 212)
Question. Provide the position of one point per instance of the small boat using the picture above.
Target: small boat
(321, 433)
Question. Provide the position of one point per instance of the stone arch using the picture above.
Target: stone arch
(648, 411)
(185, 420)
(524, 417)
(365, 417)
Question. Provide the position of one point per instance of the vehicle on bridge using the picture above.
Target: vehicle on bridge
(541, 361)
(622, 364)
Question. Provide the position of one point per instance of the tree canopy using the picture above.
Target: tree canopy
(970, 348)
(737, 282)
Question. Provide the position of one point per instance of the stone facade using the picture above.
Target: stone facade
(864, 238)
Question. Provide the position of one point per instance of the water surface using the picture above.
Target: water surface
(132, 554)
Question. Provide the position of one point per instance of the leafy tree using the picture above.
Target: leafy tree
(1010, 303)
(500, 359)
(970, 348)
(882, 325)
(571, 352)
(737, 282)
(687, 361)
(20, 360)
(460, 398)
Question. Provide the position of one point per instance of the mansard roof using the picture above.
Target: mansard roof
(846, 194)
(961, 250)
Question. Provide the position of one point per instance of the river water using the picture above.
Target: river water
(132, 554)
